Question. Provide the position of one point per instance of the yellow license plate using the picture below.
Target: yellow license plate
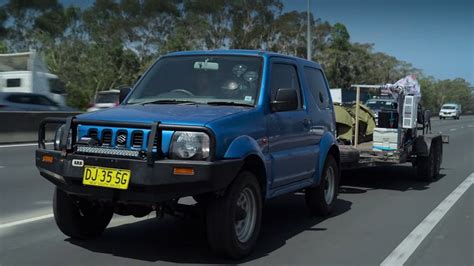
(106, 177)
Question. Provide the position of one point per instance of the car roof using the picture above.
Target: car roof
(5, 94)
(108, 91)
(244, 52)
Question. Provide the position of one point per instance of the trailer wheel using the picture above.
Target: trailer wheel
(233, 220)
(426, 166)
(321, 199)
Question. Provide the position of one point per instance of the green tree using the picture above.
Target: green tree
(252, 23)
(209, 21)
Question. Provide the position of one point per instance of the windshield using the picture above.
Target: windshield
(448, 107)
(200, 79)
(378, 105)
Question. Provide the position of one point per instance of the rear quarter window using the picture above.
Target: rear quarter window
(317, 86)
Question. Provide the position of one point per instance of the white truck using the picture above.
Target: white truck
(26, 72)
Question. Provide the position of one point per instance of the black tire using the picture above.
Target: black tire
(316, 196)
(222, 213)
(426, 166)
(79, 218)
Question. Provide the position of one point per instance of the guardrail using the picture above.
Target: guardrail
(21, 127)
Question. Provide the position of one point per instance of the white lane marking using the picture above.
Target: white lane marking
(406, 248)
(22, 145)
(453, 129)
(470, 125)
(1, 166)
(24, 221)
(116, 221)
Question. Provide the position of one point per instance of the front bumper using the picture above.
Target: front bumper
(447, 114)
(148, 184)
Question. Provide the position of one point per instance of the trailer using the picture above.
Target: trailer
(405, 138)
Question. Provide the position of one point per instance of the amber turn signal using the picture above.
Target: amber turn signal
(47, 159)
(183, 171)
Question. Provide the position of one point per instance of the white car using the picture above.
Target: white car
(105, 99)
(450, 110)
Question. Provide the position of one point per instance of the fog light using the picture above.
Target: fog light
(183, 171)
(47, 159)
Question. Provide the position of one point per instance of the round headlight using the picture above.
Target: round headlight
(189, 145)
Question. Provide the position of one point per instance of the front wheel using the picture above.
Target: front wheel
(321, 199)
(233, 220)
(80, 218)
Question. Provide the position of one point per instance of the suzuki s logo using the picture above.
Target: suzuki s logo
(77, 163)
(121, 139)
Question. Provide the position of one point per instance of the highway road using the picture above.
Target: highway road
(382, 215)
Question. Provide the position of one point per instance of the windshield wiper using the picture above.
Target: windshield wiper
(230, 103)
(170, 102)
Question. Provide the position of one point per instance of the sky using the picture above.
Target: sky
(436, 36)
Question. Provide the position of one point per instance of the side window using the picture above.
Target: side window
(285, 76)
(20, 98)
(13, 83)
(43, 100)
(317, 86)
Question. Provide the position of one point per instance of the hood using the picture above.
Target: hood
(195, 115)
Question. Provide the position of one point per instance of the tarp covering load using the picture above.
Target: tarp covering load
(345, 122)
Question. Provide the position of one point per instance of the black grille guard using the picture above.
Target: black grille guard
(155, 127)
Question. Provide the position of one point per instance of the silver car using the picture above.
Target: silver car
(22, 101)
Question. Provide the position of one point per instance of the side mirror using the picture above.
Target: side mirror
(124, 91)
(285, 100)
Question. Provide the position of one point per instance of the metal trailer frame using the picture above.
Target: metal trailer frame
(359, 158)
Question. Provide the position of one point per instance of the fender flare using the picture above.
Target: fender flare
(242, 147)
(325, 145)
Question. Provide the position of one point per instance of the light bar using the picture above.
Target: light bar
(108, 151)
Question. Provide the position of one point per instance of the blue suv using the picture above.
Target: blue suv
(231, 128)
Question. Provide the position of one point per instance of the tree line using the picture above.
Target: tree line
(111, 42)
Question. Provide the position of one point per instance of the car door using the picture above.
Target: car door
(290, 143)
